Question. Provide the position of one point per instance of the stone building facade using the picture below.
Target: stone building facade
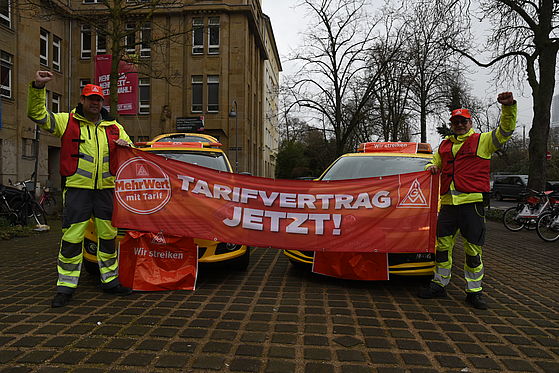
(222, 54)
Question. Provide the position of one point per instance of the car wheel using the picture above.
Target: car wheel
(241, 263)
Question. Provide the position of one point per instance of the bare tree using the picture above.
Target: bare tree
(333, 60)
(392, 91)
(429, 58)
(117, 22)
(524, 43)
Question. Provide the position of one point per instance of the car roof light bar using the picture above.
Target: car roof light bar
(394, 147)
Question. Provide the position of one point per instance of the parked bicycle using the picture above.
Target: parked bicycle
(527, 212)
(547, 225)
(29, 210)
(7, 194)
(47, 200)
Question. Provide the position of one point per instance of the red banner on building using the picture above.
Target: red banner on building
(127, 83)
(384, 214)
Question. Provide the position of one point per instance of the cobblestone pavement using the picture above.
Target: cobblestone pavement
(273, 318)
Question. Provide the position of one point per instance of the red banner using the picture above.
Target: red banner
(151, 262)
(352, 266)
(127, 83)
(383, 214)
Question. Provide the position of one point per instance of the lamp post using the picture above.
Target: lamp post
(233, 114)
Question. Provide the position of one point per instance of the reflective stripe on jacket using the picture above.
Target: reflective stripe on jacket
(94, 169)
(469, 171)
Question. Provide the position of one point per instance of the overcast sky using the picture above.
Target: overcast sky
(288, 22)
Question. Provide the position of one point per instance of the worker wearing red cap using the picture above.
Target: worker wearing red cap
(89, 137)
(463, 161)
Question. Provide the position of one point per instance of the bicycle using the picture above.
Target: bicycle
(29, 210)
(547, 225)
(48, 201)
(526, 213)
(6, 210)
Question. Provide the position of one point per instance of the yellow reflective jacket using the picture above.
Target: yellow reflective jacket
(489, 143)
(93, 164)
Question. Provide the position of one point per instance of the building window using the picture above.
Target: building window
(213, 93)
(130, 39)
(101, 42)
(144, 87)
(197, 93)
(56, 44)
(86, 41)
(197, 36)
(28, 149)
(84, 82)
(6, 70)
(5, 13)
(44, 48)
(55, 102)
(145, 35)
(213, 35)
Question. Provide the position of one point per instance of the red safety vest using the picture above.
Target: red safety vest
(469, 172)
(70, 146)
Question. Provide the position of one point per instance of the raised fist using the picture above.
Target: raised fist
(505, 98)
(42, 78)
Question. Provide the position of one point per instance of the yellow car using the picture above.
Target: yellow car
(202, 150)
(373, 160)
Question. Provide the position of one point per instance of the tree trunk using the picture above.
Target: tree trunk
(539, 133)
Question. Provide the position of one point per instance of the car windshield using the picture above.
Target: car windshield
(373, 166)
(214, 160)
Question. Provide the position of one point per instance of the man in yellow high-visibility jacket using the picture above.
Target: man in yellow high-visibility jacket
(89, 138)
(463, 162)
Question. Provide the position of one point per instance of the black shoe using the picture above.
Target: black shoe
(60, 300)
(476, 300)
(118, 290)
(432, 291)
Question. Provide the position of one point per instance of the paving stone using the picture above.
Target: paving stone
(209, 362)
(449, 361)
(250, 350)
(319, 368)
(347, 341)
(217, 347)
(350, 355)
(317, 354)
(518, 365)
(36, 357)
(383, 357)
(408, 344)
(483, 363)
(355, 369)
(70, 357)
(416, 359)
(103, 357)
(315, 340)
(120, 343)
(171, 361)
(282, 352)
(245, 365)
(151, 345)
(280, 366)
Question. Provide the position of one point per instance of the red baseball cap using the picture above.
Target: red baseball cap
(92, 89)
(461, 113)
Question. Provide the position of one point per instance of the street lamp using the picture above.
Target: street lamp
(233, 114)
